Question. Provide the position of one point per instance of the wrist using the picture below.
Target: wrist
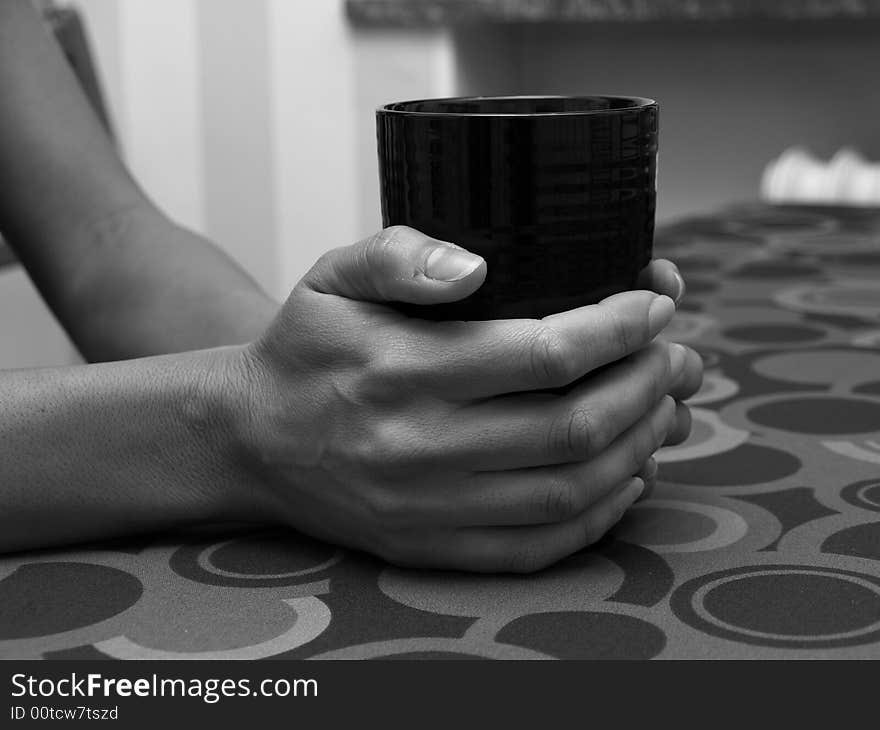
(219, 412)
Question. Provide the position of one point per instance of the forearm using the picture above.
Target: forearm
(122, 278)
(156, 288)
(100, 450)
(58, 168)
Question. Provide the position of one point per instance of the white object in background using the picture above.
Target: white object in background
(799, 177)
(842, 171)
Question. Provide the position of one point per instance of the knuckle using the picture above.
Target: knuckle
(379, 253)
(549, 362)
(385, 375)
(559, 500)
(575, 435)
(387, 238)
(623, 340)
(380, 447)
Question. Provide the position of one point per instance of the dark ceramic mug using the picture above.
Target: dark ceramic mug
(557, 193)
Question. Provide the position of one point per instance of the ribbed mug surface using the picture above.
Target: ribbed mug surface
(557, 193)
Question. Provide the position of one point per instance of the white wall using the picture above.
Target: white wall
(311, 70)
(238, 150)
(732, 95)
(29, 334)
(393, 66)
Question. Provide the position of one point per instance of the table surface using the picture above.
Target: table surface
(762, 539)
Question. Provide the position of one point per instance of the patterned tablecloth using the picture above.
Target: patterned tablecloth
(762, 539)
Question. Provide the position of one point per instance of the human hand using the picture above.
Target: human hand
(663, 277)
(437, 443)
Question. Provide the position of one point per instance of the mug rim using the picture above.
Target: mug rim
(634, 102)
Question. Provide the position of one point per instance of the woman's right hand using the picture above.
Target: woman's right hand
(436, 443)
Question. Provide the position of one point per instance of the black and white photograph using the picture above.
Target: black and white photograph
(432, 330)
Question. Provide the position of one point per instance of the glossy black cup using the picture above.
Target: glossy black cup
(556, 193)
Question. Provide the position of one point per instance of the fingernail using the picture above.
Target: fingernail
(660, 313)
(681, 287)
(677, 357)
(450, 264)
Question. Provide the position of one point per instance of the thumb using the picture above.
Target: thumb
(399, 264)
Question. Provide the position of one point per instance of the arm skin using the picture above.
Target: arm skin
(95, 451)
(123, 279)
(120, 447)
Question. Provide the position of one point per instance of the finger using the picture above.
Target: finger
(546, 494)
(529, 548)
(398, 264)
(663, 277)
(527, 430)
(691, 378)
(468, 360)
(648, 474)
(682, 428)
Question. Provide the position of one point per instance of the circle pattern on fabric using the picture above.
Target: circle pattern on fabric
(859, 541)
(700, 286)
(269, 555)
(716, 387)
(676, 526)
(850, 298)
(776, 270)
(774, 333)
(429, 655)
(819, 367)
(766, 222)
(585, 635)
(783, 606)
(744, 465)
(709, 435)
(688, 326)
(821, 245)
(48, 598)
(736, 493)
(694, 263)
(818, 415)
(864, 494)
(866, 258)
(869, 338)
(651, 526)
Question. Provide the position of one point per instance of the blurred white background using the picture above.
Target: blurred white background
(252, 120)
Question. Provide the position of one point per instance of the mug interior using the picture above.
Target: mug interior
(517, 105)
